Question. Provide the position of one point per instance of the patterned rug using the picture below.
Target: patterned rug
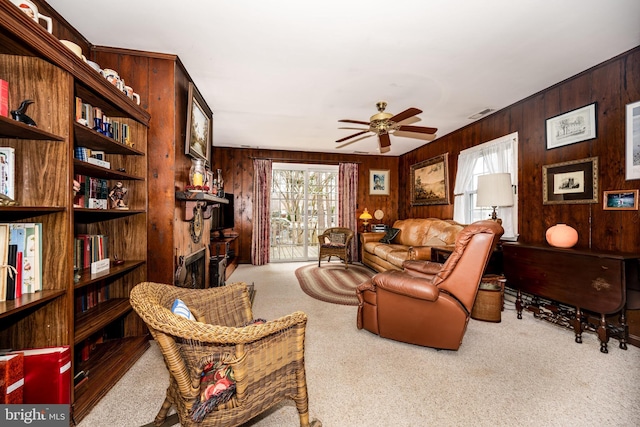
(332, 282)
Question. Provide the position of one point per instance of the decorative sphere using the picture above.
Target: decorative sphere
(562, 236)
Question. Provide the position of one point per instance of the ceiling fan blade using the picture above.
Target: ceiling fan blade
(354, 121)
(355, 140)
(350, 128)
(352, 136)
(385, 142)
(409, 112)
(422, 136)
(418, 129)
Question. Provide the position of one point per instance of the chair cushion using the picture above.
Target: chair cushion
(179, 308)
(390, 235)
(217, 385)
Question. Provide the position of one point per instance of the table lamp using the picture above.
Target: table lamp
(495, 190)
(365, 217)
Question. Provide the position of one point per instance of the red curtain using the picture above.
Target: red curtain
(347, 201)
(261, 211)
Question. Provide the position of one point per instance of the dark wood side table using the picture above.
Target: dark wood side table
(597, 281)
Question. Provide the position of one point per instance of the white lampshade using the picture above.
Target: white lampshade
(494, 190)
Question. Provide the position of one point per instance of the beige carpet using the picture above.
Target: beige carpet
(514, 373)
(332, 282)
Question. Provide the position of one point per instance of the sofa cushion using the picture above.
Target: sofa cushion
(390, 235)
(397, 257)
(383, 250)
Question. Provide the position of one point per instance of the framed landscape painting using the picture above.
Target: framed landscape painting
(199, 118)
(430, 182)
(633, 141)
(575, 126)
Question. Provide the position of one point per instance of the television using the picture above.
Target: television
(222, 217)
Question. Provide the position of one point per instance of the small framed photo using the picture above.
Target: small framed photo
(575, 126)
(575, 182)
(379, 182)
(430, 182)
(199, 118)
(633, 141)
(620, 200)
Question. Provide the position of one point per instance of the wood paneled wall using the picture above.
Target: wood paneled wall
(611, 85)
(237, 169)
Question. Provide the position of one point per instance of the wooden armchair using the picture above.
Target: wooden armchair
(335, 242)
(267, 359)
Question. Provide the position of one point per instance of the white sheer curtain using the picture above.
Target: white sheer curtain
(497, 156)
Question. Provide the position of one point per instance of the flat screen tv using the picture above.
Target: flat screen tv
(222, 218)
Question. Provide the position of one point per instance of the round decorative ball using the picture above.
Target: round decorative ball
(562, 236)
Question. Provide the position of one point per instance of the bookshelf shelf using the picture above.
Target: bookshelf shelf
(96, 318)
(86, 278)
(96, 141)
(27, 302)
(10, 128)
(88, 216)
(84, 168)
(107, 365)
(15, 213)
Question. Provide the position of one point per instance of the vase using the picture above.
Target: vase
(197, 173)
(562, 236)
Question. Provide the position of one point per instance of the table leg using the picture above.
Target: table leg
(519, 304)
(603, 335)
(576, 322)
(625, 330)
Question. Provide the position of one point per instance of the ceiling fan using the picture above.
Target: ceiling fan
(383, 124)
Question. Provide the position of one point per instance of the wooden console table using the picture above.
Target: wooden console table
(596, 281)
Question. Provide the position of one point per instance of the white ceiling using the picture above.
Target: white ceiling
(279, 74)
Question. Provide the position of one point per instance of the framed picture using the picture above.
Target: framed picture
(430, 182)
(570, 182)
(633, 141)
(199, 118)
(575, 126)
(379, 182)
(620, 200)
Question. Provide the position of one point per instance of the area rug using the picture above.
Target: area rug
(333, 283)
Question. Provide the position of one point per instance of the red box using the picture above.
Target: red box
(47, 375)
(11, 378)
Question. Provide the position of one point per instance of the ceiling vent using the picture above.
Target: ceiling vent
(481, 113)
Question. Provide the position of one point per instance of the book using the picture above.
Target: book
(11, 378)
(4, 258)
(11, 272)
(47, 375)
(4, 98)
(17, 237)
(7, 171)
(32, 259)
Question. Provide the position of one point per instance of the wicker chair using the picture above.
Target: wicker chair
(335, 242)
(267, 359)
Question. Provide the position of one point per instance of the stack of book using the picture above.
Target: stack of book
(21, 259)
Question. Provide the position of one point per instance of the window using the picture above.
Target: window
(499, 155)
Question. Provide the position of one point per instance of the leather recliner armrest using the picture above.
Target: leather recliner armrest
(429, 268)
(404, 284)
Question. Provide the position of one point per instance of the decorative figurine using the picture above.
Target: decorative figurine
(20, 115)
(117, 196)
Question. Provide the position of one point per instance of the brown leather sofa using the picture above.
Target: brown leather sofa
(414, 241)
(428, 303)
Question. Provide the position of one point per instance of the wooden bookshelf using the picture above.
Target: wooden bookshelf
(38, 67)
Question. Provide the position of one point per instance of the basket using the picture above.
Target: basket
(489, 300)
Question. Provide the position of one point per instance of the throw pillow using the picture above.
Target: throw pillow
(179, 308)
(390, 235)
(337, 238)
(217, 385)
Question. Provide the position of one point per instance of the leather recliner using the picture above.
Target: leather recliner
(428, 303)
